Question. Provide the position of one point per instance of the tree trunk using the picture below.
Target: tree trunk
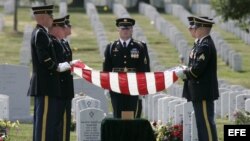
(15, 16)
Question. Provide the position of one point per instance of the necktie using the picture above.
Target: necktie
(124, 44)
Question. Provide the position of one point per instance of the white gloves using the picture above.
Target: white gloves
(74, 61)
(179, 71)
(62, 67)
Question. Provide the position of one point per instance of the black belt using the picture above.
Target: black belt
(124, 69)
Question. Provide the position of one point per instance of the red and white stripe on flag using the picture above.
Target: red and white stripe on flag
(128, 83)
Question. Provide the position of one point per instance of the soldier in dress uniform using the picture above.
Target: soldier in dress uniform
(45, 80)
(125, 55)
(64, 54)
(200, 78)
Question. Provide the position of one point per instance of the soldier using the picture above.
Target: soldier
(200, 78)
(125, 55)
(45, 80)
(64, 54)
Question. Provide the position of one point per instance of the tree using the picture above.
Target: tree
(237, 10)
(15, 16)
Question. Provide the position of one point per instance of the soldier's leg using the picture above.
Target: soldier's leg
(68, 119)
(131, 104)
(47, 119)
(206, 129)
(115, 105)
(139, 108)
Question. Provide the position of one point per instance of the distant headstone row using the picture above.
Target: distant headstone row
(98, 27)
(167, 29)
(25, 55)
(228, 55)
(206, 9)
(138, 34)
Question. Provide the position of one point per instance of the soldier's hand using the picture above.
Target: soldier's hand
(74, 61)
(62, 67)
(180, 73)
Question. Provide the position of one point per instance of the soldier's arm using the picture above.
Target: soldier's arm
(107, 63)
(42, 47)
(201, 59)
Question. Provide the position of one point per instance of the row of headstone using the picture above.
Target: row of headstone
(98, 27)
(232, 58)
(228, 55)
(167, 29)
(231, 26)
(25, 53)
(167, 109)
(1, 22)
(88, 117)
(14, 83)
(4, 106)
(138, 34)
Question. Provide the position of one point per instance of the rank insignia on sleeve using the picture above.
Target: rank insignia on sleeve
(145, 60)
(202, 57)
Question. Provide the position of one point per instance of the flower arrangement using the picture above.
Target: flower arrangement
(168, 132)
(242, 117)
(5, 126)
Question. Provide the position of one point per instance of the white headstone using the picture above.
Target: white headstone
(172, 105)
(240, 101)
(225, 105)
(232, 104)
(1, 22)
(179, 110)
(25, 55)
(187, 114)
(4, 106)
(165, 115)
(9, 7)
(155, 105)
(90, 124)
(63, 9)
(194, 133)
(247, 105)
(82, 86)
(14, 82)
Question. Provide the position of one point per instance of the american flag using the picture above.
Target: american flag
(128, 83)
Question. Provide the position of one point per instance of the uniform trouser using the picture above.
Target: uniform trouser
(46, 118)
(121, 102)
(204, 114)
(64, 128)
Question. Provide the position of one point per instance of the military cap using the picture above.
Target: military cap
(203, 22)
(46, 9)
(59, 22)
(67, 22)
(191, 20)
(125, 22)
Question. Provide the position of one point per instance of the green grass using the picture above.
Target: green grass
(24, 133)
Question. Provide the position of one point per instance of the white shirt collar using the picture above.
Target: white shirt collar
(127, 41)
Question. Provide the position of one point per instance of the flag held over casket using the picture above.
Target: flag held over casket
(129, 83)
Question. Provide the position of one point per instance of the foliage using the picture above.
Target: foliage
(5, 126)
(168, 132)
(235, 10)
(242, 117)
